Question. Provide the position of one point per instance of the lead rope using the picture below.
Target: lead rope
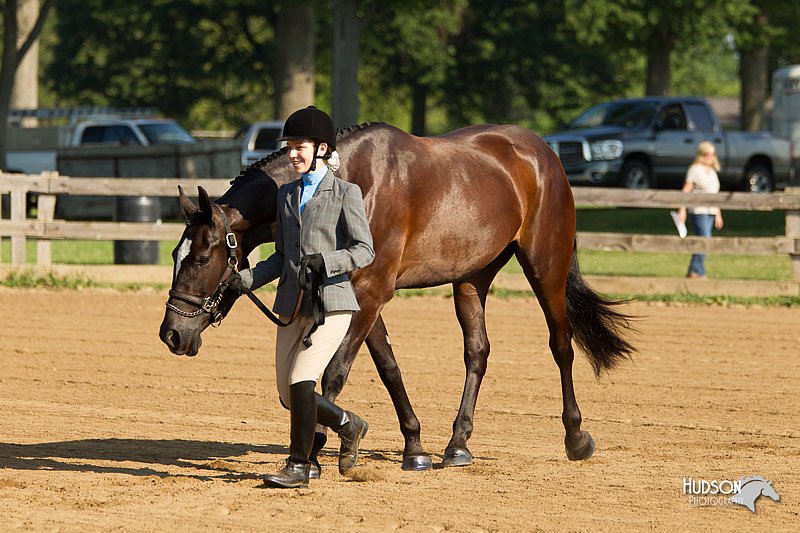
(309, 285)
(264, 309)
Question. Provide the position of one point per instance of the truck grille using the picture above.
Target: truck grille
(570, 152)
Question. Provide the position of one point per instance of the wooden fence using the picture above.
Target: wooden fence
(45, 229)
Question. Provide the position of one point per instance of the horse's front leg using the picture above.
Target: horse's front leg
(414, 456)
(368, 325)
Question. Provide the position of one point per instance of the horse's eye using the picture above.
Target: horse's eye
(203, 259)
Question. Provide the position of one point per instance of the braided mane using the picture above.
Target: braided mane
(344, 132)
(258, 168)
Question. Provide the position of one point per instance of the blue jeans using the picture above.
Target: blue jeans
(702, 228)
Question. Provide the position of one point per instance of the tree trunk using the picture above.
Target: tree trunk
(419, 96)
(13, 54)
(25, 94)
(346, 38)
(755, 79)
(295, 58)
(659, 77)
(7, 72)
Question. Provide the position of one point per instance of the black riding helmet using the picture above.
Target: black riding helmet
(310, 123)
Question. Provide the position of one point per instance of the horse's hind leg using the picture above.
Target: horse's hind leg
(469, 297)
(547, 274)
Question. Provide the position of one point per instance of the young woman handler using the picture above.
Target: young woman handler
(321, 223)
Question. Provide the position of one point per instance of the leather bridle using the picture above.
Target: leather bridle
(210, 304)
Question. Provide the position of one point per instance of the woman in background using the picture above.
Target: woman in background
(702, 177)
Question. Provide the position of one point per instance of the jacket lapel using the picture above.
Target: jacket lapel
(294, 199)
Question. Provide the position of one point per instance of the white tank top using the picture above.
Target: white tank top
(705, 179)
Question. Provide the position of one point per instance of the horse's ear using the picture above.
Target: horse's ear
(189, 209)
(205, 202)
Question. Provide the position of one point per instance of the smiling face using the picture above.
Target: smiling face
(301, 154)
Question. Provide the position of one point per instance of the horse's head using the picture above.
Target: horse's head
(206, 255)
(769, 491)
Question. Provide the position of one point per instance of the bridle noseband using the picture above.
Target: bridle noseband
(210, 304)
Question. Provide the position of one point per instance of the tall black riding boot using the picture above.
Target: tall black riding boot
(349, 426)
(304, 419)
(319, 442)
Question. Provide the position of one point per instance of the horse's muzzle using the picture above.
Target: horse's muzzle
(177, 342)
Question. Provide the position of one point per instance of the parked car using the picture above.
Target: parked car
(650, 142)
(34, 150)
(124, 132)
(259, 139)
(112, 142)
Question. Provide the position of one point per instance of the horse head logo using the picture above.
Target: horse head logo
(751, 489)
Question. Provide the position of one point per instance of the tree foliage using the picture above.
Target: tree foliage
(202, 60)
(521, 62)
(212, 64)
(661, 30)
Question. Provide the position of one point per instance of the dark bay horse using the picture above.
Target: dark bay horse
(448, 209)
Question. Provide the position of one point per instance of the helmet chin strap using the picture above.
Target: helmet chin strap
(313, 166)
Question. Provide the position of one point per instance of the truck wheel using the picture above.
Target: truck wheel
(636, 174)
(758, 178)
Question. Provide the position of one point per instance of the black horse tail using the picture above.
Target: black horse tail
(597, 327)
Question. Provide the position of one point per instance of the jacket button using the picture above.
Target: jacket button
(297, 245)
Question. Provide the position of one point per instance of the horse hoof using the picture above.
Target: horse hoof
(583, 450)
(457, 457)
(417, 463)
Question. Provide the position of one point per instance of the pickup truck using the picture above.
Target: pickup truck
(650, 142)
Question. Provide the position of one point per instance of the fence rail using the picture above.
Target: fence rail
(47, 185)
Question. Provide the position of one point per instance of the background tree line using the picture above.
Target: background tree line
(427, 66)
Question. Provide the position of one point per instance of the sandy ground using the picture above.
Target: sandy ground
(104, 429)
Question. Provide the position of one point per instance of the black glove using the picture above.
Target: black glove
(234, 284)
(315, 263)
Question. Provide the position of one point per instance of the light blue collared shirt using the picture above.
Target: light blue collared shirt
(311, 182)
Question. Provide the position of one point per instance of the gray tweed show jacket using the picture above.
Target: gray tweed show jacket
(334, 223)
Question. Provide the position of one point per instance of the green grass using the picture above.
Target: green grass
(91, 252)
(28, 279)
(81, 252)
(616, 263)
(658, 222)
(744, 267)
(612, 263)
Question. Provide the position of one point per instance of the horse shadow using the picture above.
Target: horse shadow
(153, 456)
(204, 460)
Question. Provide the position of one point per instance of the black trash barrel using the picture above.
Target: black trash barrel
(794, 180)
(137, 209)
